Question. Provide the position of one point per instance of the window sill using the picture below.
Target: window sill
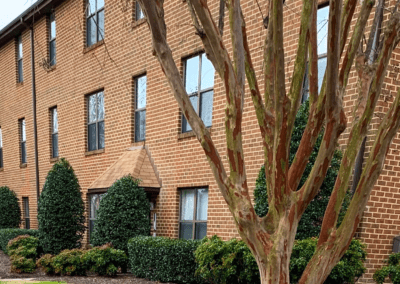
(138, 22)
(190, 134)
(55, 159)
(95, 152)
(138, 143)
(23, 165)
(93, 46)
(1, 170)
(51, 68)
(20, 84)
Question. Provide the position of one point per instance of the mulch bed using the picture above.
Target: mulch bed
(39, 275)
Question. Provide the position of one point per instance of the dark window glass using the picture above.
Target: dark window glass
(23, 141)
(54, 132)
(193, 213)
(27, 219)
(94, 21)
(52, 40)
(96, 138)
(19, 60)
(94, 200)
(199, 84)
(140, 108)
(1, 148)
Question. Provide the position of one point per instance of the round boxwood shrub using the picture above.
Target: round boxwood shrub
(61, 208)
(123, 214)
(10, 216)
(311, 221)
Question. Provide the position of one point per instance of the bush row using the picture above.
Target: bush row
(8, 234)
(23, 251)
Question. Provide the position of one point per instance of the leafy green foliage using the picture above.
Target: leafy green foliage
(10, 216)
(350, 267)
(61, 208)
(391, 270)
(69, 262)
(123, 213)
(105, 260)
(311, 221)
(228, 262)
(8, 234)
(45, 263)
(23, 251)
(163, 259)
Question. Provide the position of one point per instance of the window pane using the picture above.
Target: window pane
(52, 27)
(201, 231)
(207, 73)
(20, 71)
(26, 207)
(1, 138)
(55, 120)
(1, 157)
(23, 130)
(91, 226)
(20, 54)
(321, 71)
(100, 4)
(101, 137)
(55, 145)
(92, 108)
(92, 6)
(52, 53)
(202, 204)
(140, 125)
(206, 105)
(100, 21)
(92, 137)
(100, 106)
(94, 205)
(23, 153)
(192, 75)
(187, 204)
(322, 29)
(91, 31)
(185, 124)
(186, 231)
(141, 84)
(139, 12)
(27, 223)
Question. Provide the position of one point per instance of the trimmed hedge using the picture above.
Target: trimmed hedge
(391, 270)
(163, 259)
(61, 209)
(123, 213)
(23, 251)
(10, 216)
(8, 234)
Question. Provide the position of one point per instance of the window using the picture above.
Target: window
(94, 21)
(52, 40)
(22, 128)
(96, 121)
(140, 108)
(322, 42)
(138, 12)
(20, 77)
(1, 149)
(193, 213)
(54, 133)
(199, 84)
(25, 201)
(94, 200)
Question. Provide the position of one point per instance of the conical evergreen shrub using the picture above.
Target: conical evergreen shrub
(10, 212)
(61, 208)
(123, 214)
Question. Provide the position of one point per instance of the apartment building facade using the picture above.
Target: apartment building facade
(100, 99)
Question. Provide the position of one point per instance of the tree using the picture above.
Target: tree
(311, 221)
(271, 238)
(60, 210)
(10, 216)
(123, 214)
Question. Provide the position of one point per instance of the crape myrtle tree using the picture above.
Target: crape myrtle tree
(270, 238)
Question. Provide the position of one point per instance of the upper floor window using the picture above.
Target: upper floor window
(1, 149)
(54, 133)
(138, 12)
(322, 42)
(96, 122)
(140, 108)
(52, 40)
(94, 21)
(22, 128)
(20, 77)
(199, 84)
(193, 213)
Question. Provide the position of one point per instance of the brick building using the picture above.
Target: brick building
(103, 103)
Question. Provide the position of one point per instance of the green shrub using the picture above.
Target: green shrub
(311, 221)
(391, 270)
(105, 260)
(61, 208)
(226, 262)
(350, 267)
(10, 216)
(163, 259)
(20, 264)
(69, 262)
(123, 214)
(45, 262)
(23, 251)
(8, 234)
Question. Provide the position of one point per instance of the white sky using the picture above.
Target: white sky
(10, 9)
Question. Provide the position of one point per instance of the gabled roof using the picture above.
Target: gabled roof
(136, 162)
